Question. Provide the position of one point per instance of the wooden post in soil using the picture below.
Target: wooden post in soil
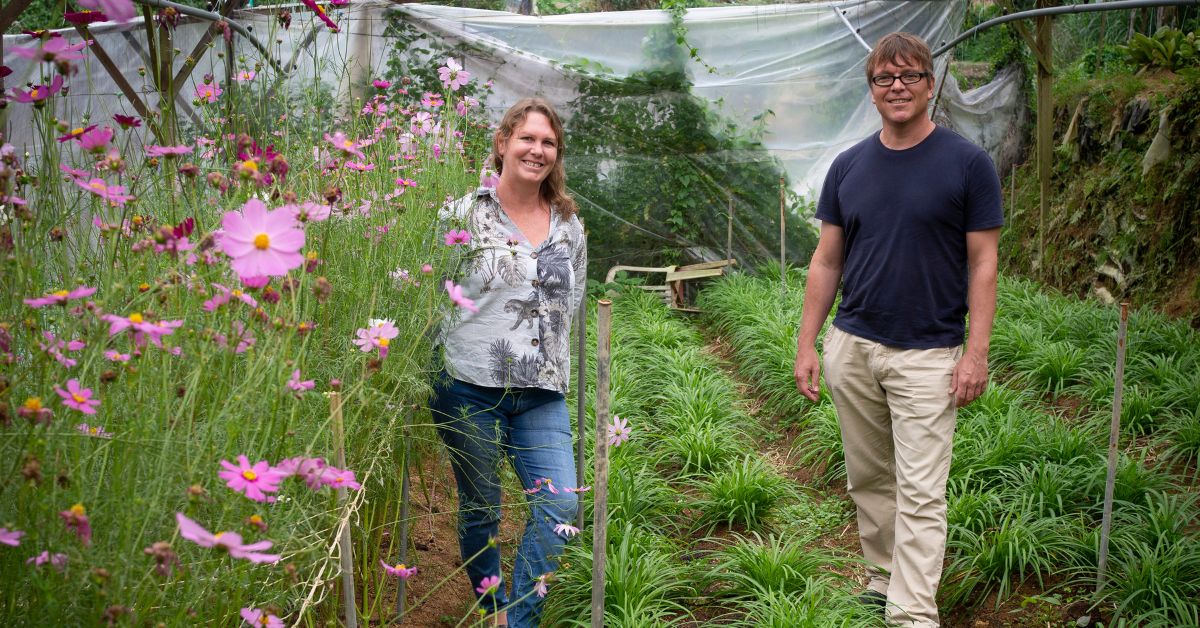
(344, 548)
(782, 239)
(729, 231)
(600, 481)
(1045, 127)
(1114, 436)
(580, 399)
(400, 582)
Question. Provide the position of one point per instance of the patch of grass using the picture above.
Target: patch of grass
(744, 493)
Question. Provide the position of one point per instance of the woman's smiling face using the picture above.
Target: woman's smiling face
(530, 152)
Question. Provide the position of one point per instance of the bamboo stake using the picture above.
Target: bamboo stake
(600, 482)
(344, 547)
(1114, 436)
(782, 239)
(1012, 193)
(404, 498)
(580, 399)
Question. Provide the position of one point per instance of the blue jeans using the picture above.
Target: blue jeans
(531, 427)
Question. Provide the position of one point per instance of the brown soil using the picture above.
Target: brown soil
(434, 545)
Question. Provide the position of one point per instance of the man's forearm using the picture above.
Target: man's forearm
(819, 292)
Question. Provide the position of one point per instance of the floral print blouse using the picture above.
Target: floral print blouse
(521, 336)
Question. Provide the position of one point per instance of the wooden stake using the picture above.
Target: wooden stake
(729, 231)
(1012, 193)
(404, 499)
(344, 547)
(1045, 128)
(1114, 436)
(782, 237)
(600, 481)
(580, 399)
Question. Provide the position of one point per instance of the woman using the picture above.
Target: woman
(507, 365)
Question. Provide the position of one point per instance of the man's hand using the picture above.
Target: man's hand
(808, 372)
(969, 379)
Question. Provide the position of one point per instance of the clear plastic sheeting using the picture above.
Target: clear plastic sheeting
(793, 73)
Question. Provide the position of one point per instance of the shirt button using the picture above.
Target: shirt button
(533, 255)
(536, 283)
(533, 312)
(534, 342)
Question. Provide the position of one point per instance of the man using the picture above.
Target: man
(910, 222)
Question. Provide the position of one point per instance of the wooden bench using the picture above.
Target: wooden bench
(671, 290)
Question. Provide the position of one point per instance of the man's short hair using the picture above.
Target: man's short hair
(895, 46)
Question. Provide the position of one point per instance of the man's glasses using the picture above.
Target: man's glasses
(908, 78)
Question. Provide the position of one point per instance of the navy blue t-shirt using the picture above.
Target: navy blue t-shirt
(905, 214)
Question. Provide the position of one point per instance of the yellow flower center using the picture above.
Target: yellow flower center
(33, 93)
(33, 403)
(238, 293)
(249, 475)
(256, 520)
(77, 398)
(94, 430)
(262, 242)
(98, 185)
(400, 566)
(383, 342)
(311, 255)
(250, 165)
(77, 131)
(218, 535)
(60, 293)
(264, 620)
(78, 510)
(348, 143)
(137, 220)
(135, 318)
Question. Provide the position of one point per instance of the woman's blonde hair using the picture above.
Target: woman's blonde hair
(554, 186)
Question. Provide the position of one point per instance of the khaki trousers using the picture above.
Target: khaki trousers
(897, 420)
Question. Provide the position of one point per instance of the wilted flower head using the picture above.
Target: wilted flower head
(58, 561)
(76, 520)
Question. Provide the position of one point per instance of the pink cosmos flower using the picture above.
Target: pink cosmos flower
(155, 150)
(78, 398)
(141, 328)
(117, 10)
(311, 470)
(58, 560)
(76, 520)
(381, 84)
(73, 134)
(453, 75)
(456, 297)
(320, 13)
(426, 268)
(95, 431)
(228, 541)
(359, 166)
(541, 587)
(618, 431)
(578, 489)
(114, 194)
(116, 356)
(340, 478)
(300, 386)
(378, 334)
(242, 335)
(345, 144)
(96, 140)
(208, 92)
(85, 17)
(38, 93)
(565, 529)
(12, 538)
(225, 295)
(431, 100)
(307, 211)
(60, 297)
(254, 481)
(261, 242)
(260, 618)
(399, 571)
(488, 178)
(457, 236)
(127, 122)
(422, 123)
(488, 585)
(55, 348)
(245, 76)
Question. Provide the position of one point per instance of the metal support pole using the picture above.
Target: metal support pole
(600, 482)
(1114, 436)
(729, 231)
(345, 550)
